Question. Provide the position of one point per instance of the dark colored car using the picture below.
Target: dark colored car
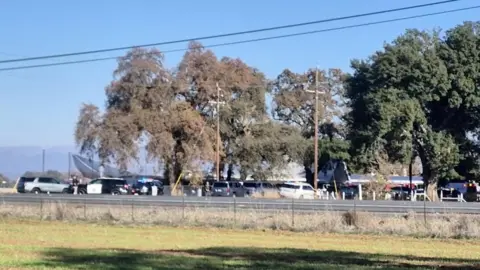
(114, 186)
(222, 189)
(145, 188)
(258, 187)
(401, 193)
(21, 183)
(471, 194)
(448, 192)
(349, 191)
(238, 189)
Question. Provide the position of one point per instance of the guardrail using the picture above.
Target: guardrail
(245, 204)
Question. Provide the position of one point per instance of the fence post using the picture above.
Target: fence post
(343, 196)
(234, 210)
(374, 195)
(133, 210)
(354, 206)
(425, 209)
(183, 203)
(293, 213)
(41, 209)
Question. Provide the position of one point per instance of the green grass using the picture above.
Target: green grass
(60, 245)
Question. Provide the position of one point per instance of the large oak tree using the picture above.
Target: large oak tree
(172, 111)
(419, 97)
(295, 107)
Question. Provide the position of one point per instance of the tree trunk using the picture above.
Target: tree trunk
(177, 170)
(309, 175)
(428, 175)
(230, 172)
(243, 174)
(222, 169)
(167, 172)
(431, 190)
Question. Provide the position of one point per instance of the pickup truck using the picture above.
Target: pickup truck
(47, 184)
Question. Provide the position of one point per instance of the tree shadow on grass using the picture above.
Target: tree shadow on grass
(238, 258)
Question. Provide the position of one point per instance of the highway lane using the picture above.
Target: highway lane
(247, 203)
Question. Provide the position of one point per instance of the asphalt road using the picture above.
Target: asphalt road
(390, 207)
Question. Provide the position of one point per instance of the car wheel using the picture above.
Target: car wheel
(65, 191)
(82, 191)
(115, 192)
(36, 190)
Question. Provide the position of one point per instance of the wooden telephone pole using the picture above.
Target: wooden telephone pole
(316, 91)
(217, 153)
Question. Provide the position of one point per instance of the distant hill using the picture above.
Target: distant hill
(15, 160)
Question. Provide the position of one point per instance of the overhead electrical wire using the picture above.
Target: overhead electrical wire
(230, 34)
(253, 40)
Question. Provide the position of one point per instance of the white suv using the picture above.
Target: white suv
(294, 190)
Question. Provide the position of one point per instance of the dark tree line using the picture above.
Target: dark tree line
(416, 100)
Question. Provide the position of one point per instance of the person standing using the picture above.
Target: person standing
(75, 184)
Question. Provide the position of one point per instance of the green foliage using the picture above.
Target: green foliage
(417, 97)
(335, 148)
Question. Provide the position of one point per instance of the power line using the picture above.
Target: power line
(252, 40)
(230, 34)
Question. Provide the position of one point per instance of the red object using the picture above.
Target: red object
(412, 186)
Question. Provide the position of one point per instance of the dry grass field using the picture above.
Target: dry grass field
(34, 244)
(436, 226)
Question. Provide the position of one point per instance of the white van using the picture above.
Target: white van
(294, 190)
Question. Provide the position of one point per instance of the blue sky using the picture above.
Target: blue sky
(40, 106)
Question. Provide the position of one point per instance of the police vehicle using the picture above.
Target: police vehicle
(104, 185)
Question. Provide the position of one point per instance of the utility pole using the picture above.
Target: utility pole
(410, 171)
(43, 160)
(315, 139)
(69, 165)
(217, 154)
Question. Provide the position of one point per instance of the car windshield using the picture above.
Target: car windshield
(289, 186)
(250, 185)
(306, 187)
(220, 185)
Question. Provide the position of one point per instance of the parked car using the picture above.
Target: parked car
(145, 187)
(471, 194)
(259, 187)
(21, 183)
(401, 193)
(47, 184)
(224, 189)
(297, 191)
(350, 192)
(238, 189)
(114, 186)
